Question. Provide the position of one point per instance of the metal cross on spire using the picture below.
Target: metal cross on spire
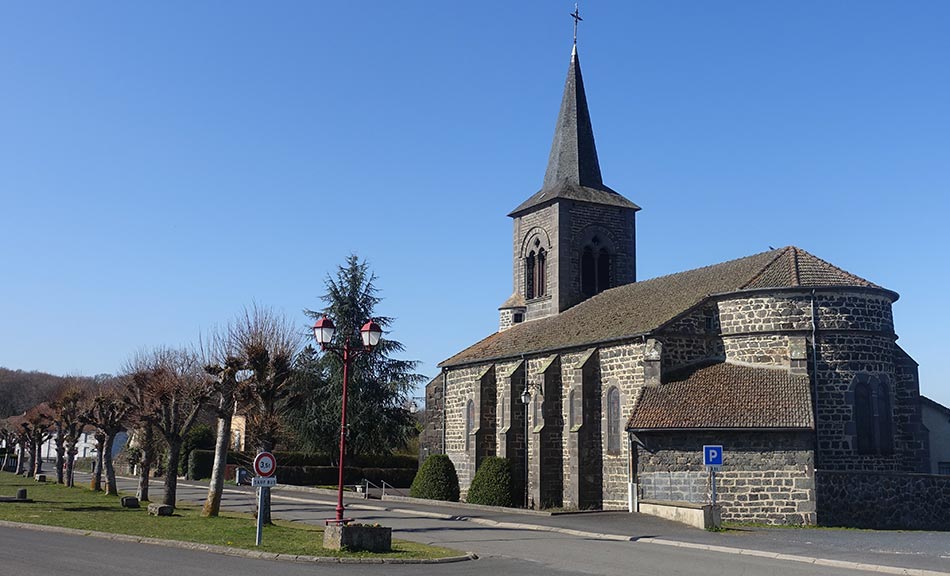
(576, 15)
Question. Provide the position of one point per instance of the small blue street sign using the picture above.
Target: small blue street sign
(712, 455)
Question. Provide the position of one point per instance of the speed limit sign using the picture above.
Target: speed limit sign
(265, 465)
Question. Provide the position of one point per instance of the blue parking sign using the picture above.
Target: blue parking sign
(712, 455)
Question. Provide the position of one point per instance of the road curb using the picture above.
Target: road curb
(229, 551)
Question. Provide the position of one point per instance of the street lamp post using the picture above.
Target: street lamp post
(370, 333)
(526, 399)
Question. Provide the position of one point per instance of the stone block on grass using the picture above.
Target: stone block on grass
(160, 510)
(130, 502)
(355, 537)
(40, 477)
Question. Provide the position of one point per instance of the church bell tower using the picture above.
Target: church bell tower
(575, 237)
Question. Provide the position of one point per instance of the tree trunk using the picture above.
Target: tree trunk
(213, 503)
(6, 457)
(60, 456)
(96, 484)
(38, 459)
(70, 462)
(20, 453)
(145, 466)
(171, 471)
(112, 488)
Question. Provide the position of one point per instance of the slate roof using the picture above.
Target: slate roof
(573, 170)
(726, 396)
(641, 307)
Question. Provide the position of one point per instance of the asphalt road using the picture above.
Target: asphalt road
(500, 550)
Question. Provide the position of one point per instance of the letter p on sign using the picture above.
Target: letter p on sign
(712, 455)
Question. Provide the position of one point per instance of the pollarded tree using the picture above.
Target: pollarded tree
(37, 424)
(222, 360)
(107, 409)
(267, 344)
(67, 408)
(168, 387)
(379, 420)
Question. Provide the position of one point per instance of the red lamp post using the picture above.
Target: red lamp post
(370, 333)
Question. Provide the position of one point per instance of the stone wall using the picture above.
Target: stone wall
(767, 477)
(614, 227)
(430, 439)
(543, 225)
(621, 366)
(881, 500)
(463, 384)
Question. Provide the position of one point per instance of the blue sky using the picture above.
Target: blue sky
(163, 165)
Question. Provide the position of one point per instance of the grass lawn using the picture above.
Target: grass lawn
(81, 508)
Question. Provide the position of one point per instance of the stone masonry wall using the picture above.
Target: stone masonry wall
(430, 439)
(461, 387)
(543, 224)
(766, 477)
(621, 366)
(855, 339)
(615, 227)
(884, 501)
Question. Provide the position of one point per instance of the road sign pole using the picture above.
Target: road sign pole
(712, 479)
(260, 516)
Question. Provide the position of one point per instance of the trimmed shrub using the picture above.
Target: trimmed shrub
(200, 437)
(491, 485)
(200, 464)
(436, 480)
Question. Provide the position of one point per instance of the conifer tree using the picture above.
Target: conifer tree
(379, 419)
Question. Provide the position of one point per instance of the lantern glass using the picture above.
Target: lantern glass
(323, 331)
(371, 333)
(525, 396)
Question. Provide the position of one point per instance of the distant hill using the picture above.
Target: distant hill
(20, 390)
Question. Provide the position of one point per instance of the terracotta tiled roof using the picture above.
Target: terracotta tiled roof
(641, 307)
(726, 396)
(794, 267)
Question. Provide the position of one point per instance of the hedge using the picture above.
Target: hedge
(202, 461)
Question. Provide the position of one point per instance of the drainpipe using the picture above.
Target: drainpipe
(445, 378)
(814, 371)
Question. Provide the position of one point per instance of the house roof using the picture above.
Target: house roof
(725, 396)
(573, 170)
(641, 307)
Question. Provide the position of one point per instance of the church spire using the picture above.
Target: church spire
(573, 156)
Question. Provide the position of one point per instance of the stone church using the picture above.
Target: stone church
(598, 384)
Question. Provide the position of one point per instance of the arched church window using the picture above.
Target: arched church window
(588, 276)
(613, 421)
(872, 416)
(540, 279)
(529, 276)
(881, 396)
(469, 424)
(595, 270)
(603, 270)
